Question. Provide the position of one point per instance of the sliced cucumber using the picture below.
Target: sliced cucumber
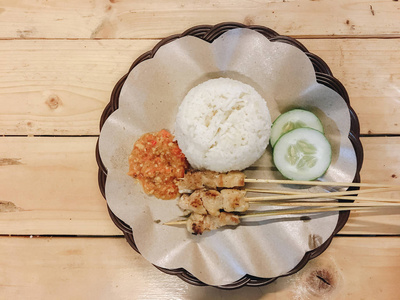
(296, 118)
(302, 154)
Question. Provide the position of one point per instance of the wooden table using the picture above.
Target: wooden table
(59, 62)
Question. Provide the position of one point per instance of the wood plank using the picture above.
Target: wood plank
(370, 71)
(49, 187)
(155, 19)
(381, 164)
(61, 87)
(107, 268)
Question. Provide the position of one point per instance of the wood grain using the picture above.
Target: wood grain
(59, 61)
(61, 87)
(107, 268)
(49, 186)
(156, 19)
(53, 185)
(370, 71)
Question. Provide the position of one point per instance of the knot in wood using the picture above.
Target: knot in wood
(321, 282)
(7, 206)
(53, 101)
(248, 20)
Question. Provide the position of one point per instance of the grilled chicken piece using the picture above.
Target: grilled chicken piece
(212, 202)
(234, 200)
(202, 202)
(192, 203)
(191, 181)
(232, 179)
(211, 180)
(197, 224)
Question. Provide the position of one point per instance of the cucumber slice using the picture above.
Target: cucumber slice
(302, 154)
(296, 118)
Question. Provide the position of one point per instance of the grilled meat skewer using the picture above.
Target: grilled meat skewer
(196, 180)
(212, 202)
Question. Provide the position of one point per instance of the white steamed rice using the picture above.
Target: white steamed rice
(223, 125)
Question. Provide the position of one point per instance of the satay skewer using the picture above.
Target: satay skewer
(279, 212)
(201, 201)
(207, 179)
(211, 210)
(234, 200)
(212, 202)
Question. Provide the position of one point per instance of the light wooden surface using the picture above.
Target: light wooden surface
(59, 61)
(106, 268)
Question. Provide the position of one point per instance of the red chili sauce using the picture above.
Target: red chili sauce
(157, 162)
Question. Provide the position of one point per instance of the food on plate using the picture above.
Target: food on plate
(295, 118)
(198, 223)
(302, 154)
(222, 125)
(192, 204)
(195, 180)
(300, 149)
(212, 202)
(157, 162)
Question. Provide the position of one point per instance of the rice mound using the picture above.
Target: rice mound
(223, 125)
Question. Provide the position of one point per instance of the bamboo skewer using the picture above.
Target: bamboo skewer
(334, 204)
(304, 211)
(288, 212)
(172, 223)
(384, 200)
(359, 199)
(318, 183)
(293, 196)
(286, 192)
(328, 195)
(367, 199)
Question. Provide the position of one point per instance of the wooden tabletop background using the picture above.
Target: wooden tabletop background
(59, 61)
